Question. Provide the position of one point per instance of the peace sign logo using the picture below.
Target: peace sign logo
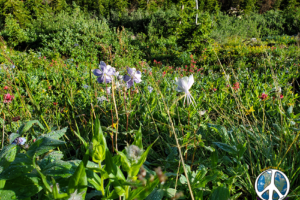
(272, 184)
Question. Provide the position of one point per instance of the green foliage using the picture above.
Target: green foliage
(13, 32)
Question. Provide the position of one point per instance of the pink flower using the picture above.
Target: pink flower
(8, 98)
(236, 86)
(44, 57)
(215, 89)
(5, 87)
(281, 96)
(164, 73)
(263, 96)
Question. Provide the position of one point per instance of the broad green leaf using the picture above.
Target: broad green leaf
(51, 157)
(78, 182)
(290, 112)
(226, 147)
(7, 156)
(56, 193)
(21, 187)
(221, 129)
(25, 127)
(143, 192)
(241, 149)
(43, 145)
(138, 139)
(214, 159)
(99, 143)
(156, 194)
(220, 193)
(13, 136)
(20, 166)
(56, 134)
(125, 162)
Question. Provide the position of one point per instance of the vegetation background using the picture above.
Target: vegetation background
(86, 140)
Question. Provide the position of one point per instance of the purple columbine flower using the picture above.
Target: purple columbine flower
(19, 141)
(105, 72)
(134, 76)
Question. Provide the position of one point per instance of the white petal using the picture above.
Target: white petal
(191, 81)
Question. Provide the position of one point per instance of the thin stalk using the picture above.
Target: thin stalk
(3, 130)
(178, 146)
(113, 96)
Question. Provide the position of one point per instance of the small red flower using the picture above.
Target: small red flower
(8, 98)
(281, 96)
(164, 73)
(215, 89)
(236, 86)
(49, 87)
(55, 103)
(5, 87)
(150, 73)
(263, 96)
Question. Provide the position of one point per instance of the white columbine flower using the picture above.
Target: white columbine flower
(184, 84)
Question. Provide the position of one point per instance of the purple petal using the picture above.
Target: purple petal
(137, 80)
(107, 79)
(97, 72)
(102, 66)
(111, 71)
(129, 70)
(100, 79)
(126, 78)
(130, 83)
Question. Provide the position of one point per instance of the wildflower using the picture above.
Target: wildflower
(55, 103)
(120, 77)
(164, 73)
(76, 45)
(134, 76)
(5, 87)
(19, 141)
(49, 87)
(13, 66)
(248, 112)
(85, 86)
(263, 96)
(101, 99)
(184, 84)
(8, 98)
(215, 89)
(105, 72)
(76, 196)
(150, 89)
(281, 96)
(133, 153)
(236, 86)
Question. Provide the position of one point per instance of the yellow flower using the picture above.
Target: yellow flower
(251, 110)
(290, 104)
(114, 125)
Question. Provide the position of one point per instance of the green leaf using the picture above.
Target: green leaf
(78, 182)
(226, 147)
(136, 167)
(156, 194)
(43, 145)
(25, 127)
(13, 136)
(56, 134)
(20, 166)
(290, 112)
(220, 193)
(222, 130)
(21, 187)
(138, 139)
(125, 162)
(99, 143)
(214, 159)
(143, 192)
(7, 156)
(241, 149)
